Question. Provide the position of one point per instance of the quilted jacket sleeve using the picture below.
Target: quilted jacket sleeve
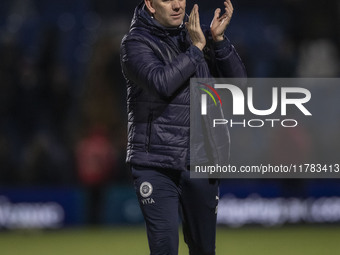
(144, 68)
(228, 62)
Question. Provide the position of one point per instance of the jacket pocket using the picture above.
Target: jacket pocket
(148, 133)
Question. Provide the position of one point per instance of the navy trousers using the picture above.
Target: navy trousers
(163, 195)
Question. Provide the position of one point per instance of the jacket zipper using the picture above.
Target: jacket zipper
(173, 45)
(148, 133)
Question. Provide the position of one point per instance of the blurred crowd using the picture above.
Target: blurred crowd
(62, 94)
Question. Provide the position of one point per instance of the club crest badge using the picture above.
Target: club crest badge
(145, 189)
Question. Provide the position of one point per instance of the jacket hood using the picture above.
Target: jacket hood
(142, 18)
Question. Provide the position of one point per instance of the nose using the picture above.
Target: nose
(176, 5)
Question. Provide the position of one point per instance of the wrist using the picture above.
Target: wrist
(218, 38)
(200, 46)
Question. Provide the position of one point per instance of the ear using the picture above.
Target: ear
(148, 4)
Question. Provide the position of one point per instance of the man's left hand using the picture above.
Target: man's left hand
(219, 23)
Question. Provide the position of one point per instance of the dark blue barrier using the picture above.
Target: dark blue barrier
(41, 207)
(241, 202)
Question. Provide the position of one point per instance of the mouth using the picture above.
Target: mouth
(176, 15)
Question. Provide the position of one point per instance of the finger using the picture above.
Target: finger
(191, 16)
(197, 18)
(228, 4)
(217, 13)
(191, 23)
(228, 7)
(223, 17)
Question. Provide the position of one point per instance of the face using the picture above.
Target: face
(169, 13)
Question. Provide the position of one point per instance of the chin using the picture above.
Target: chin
(172, 23)
(176, 24)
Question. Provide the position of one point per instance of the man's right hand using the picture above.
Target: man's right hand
(194, 28)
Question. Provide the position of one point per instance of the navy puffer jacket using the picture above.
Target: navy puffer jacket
(158, 64)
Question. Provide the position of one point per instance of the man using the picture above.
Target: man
(162, 51)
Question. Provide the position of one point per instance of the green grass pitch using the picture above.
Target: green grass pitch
(299, 240)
